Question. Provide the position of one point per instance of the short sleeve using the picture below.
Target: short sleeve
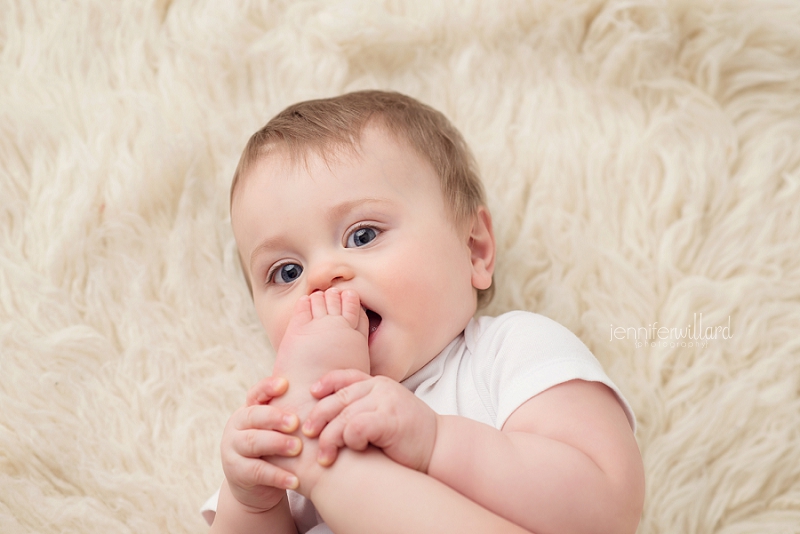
(526, 354)
(209, 508)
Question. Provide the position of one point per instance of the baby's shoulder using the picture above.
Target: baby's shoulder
(520, 324)
(522, 333)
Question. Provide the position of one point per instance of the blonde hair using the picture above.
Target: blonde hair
(324, 125)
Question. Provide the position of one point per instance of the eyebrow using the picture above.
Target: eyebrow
(341, 209)
(336, 212)
(269, 243)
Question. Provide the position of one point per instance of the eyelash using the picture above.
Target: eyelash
(270, 278)
(361, 226)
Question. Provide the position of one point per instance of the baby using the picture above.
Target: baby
(367, 247)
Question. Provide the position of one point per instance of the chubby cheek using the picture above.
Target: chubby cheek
(274, 319)
(448, 296)
(432, 301)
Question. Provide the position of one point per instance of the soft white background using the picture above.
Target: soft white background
(641, 158)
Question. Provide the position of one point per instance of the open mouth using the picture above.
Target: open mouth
(374, 321)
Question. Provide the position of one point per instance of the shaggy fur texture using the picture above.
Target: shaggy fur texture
(641, 158)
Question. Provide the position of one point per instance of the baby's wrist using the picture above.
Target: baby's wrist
(245, 503)
(255, 510)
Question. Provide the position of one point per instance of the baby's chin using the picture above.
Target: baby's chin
(380, 366)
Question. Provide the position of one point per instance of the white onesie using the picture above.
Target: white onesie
(486, 373)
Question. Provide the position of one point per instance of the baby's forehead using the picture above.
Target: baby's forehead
(282, 160)
(330, 153)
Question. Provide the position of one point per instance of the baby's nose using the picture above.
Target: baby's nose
(328, 274)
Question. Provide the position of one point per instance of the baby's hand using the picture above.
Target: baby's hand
(356, 410)
(254, 432)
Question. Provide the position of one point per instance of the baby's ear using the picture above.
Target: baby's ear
(481, 246)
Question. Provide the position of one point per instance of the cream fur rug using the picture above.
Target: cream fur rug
(642, 161)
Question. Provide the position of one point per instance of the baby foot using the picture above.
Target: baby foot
(327, 331)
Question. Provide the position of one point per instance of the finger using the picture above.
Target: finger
(336, 380)
(250, 472)
(352, 310)
(351, 429)
(361, 430)
(267, 389)
(318, 306)
(330, 441)
(327, 455)
(331, 406)
(333, 301)
(254, 443)
(265, 417)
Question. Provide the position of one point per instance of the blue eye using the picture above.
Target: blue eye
(286, 273)
(362, 236)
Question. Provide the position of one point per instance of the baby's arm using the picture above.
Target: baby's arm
(367, 492)
(565, 461)
(233, 517)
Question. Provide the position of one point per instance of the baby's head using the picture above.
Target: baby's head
(372, 191)
(328, 126)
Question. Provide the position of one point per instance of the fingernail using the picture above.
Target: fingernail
(324, 458)
(295, 447)
(317, 387)
(307, 428)
(291, 482)
(289, 423)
